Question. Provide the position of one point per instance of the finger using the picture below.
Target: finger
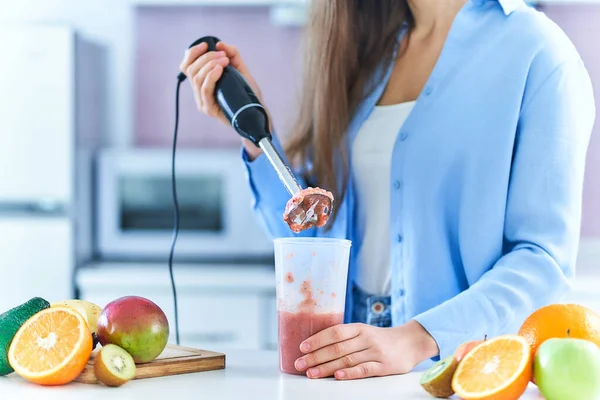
(233, 54)
(200, 77)
(347, 361)
(334, 334)
(332, 352)
(192, 54)
(197, 65)
(208, 91)
(360, 371)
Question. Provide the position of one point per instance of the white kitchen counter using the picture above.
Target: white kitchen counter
(248, 375)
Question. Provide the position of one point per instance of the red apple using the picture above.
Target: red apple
(137, 325)
(465, 348)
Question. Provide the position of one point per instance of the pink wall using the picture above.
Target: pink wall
(163, 35)
(582, 24)
(271, 52)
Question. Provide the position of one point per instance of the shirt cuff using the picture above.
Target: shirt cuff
(441, 323)
(444, 342)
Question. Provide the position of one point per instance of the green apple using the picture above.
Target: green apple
(568, 369)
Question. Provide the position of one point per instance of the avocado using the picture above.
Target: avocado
(10, 322)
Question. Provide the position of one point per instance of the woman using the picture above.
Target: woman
(453, 135)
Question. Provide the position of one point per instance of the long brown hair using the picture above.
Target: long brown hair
(345, 42)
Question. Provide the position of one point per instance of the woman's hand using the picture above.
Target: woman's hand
(355, 351)
(204, 68)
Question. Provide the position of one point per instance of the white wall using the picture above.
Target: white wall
(109, 23)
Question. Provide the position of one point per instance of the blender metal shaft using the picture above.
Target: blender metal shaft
(284, 172)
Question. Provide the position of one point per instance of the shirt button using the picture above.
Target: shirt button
(399, 238)
(397, 184)
(428, 90)
(401, 292)
(403, 135)
(377, 308)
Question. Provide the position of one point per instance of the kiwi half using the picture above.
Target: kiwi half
(437, 380)
(114, 366)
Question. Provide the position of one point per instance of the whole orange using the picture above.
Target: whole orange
(560, 321)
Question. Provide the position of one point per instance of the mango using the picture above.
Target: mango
(135, 324)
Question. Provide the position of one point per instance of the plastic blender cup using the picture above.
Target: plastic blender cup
(311, 276)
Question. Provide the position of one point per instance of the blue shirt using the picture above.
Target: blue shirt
(487, 176)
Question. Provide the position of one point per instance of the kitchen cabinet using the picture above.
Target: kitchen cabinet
(36, 115)
(36, 259)
(220, 307)
(205, 321)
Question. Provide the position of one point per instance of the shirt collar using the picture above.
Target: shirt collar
(510, 5)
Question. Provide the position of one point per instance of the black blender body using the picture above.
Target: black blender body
(237, 100)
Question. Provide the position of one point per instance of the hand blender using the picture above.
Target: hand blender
(242, 108)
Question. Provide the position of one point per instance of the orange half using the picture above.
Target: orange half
(52, 347)
(499, 369)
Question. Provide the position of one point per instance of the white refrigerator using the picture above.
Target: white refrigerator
(51, 122)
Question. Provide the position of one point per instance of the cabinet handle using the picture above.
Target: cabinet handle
(217, 337)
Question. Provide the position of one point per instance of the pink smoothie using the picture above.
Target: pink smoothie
(294, 328)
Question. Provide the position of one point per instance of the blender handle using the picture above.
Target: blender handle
(246, 114)
(240, 105)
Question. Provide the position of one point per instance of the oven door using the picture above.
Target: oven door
(135, 206)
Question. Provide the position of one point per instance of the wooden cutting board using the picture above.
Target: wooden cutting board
(174, 360)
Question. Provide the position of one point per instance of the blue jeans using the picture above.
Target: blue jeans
(370, 309)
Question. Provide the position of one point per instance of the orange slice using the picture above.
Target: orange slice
(498, 369)
(52, 347)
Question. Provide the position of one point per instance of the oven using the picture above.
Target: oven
(134, 207)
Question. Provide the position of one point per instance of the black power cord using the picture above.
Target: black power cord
(180, 79)
(234, 95)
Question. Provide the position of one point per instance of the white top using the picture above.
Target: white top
(247, 375)
(371, 169)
